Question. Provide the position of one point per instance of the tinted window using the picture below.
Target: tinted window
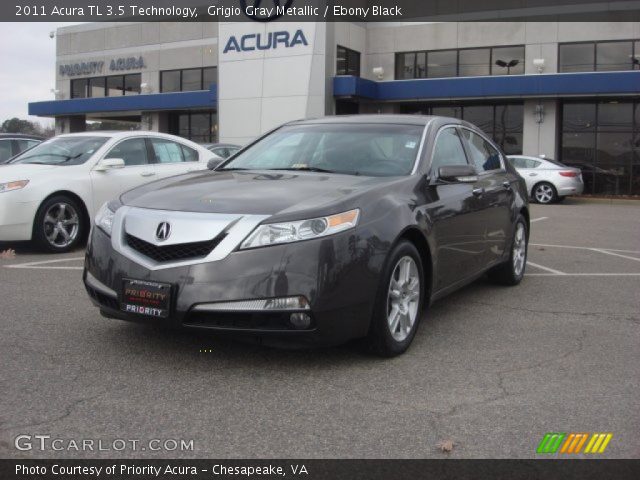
(365, 149)
(192, 80)
(481, 116)
(442, 64)
(209, 76)
(189, 154)
(347, 62)
(615, 116)
(23, 145)
(79, 88)
(96, 87)
(579, 57)
(115, 86)
(132, 84)
(483, 156)
(166, 151)
(448, 150)
(579, 117)
(5, 150)
(614, 56)
(474, 62)
(517, 162)
(170, 81)
(508, 61)
(62, 151)
(132, 151)
(405, 65)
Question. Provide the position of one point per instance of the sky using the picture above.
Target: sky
(27, 71)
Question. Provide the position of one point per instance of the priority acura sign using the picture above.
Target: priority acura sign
(96, 67)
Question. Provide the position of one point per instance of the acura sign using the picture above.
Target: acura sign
(259, 41)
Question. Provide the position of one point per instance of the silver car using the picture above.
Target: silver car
(547, 180)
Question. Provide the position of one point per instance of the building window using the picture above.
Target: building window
(347, 62)
(504, 123)
(199, 126)
(601, 139)
(598, 56)
(115, 85)
(188, 80)
(468, 62)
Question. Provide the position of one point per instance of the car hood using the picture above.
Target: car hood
(251, 192)
(23, 171)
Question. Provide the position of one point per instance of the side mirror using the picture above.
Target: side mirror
(458, 174)
(214, 163)
(109, 164)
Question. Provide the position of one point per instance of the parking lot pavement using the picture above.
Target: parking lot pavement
(492, 368)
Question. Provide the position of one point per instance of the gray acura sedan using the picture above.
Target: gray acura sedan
(319, 232)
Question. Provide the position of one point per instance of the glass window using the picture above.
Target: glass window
(612, 179)
(635, 60)
(577, 57)
(453, 112)
(200, 126)
(166, 151)
(483, 156)
(189, 154)
(191, 79)
(474, 62)
(115, 86)
(170, 81)
(579, 117)
(209, 76)
(79, 88)
(517, 162)
(23, 145)
(615, 116)
(481, 116)
(97, 87)
(614, 56)
(371, 150)
(442, 64)
(421, 65)
(613, 148)
(62, 151)
(347, 62)
(132, 84)
(405, 63)
(5, 150)
(133, 151)
(508, 61)
(448, 150)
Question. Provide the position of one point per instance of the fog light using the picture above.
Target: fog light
(300, 321)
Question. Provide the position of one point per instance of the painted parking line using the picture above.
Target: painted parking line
(615, 254)
(547, 269)
(584, 248)
(582, 275)
(46, 264)
(539, 219)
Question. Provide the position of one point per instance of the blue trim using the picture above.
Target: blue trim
(145, 102)
(548, 85)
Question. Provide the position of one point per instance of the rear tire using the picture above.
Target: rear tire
(399, 302)
(512, 271)
(59, 225)
(544, 193)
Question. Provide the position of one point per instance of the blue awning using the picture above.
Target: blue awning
(533, 85)
(143, 102)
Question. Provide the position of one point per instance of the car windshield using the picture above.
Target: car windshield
(362, 149)
(62, 151)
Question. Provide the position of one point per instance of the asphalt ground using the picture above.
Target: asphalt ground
(492, 369)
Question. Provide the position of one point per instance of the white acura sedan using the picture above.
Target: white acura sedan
(49, 193)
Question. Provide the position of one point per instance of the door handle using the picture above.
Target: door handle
(506, 185)
(147, 173)
(533, 174)
(477, 191)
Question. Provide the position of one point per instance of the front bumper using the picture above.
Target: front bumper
(16, 217)
(338, 281)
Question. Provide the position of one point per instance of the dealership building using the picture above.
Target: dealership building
(567, 90)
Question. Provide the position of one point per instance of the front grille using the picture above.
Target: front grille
(172, 253)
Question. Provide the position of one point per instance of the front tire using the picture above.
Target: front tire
(59, 225)
(545, 193)
(399, 302)
(512, 271)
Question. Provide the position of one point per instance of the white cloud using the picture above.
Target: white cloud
(27, 73)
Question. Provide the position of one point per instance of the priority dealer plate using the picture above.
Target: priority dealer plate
(141, 297)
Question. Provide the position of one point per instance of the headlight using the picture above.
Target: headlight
(105, 216)
(277, 233)
(17, 185)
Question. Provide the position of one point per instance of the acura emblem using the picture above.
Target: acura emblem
(163, 231)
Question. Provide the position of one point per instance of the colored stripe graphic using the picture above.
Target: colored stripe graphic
(574, 443)
(598, 443)
(551, 442)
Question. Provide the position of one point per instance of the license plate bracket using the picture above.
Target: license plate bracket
(145, 298)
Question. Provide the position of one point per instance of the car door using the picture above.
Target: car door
(137, 171)
(529, 170)
(170, 158)
(497, 193)
(455, 210)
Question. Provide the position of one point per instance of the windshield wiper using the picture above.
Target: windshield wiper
(232, 169)
(305, 169)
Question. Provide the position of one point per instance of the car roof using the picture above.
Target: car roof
(120, 134)
(379, 119)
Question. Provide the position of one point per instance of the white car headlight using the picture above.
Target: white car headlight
(287, 232)
(9, 186)
(105, 216)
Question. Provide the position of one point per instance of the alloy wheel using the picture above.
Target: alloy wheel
(519, 249)
(544, 193)
(403, 298)
(61, 225)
